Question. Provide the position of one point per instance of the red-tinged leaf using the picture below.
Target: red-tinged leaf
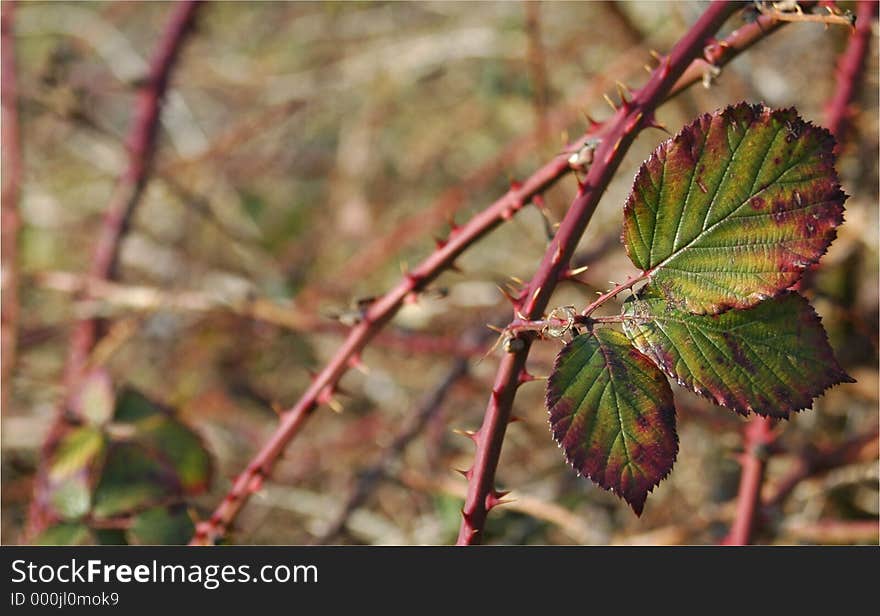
(772, 359)
(734, 208)
(611, 411)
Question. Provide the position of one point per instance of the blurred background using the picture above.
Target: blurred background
(308, 152)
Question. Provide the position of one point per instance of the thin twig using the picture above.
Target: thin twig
(850, 66)
(11, 220)
(810, 463)
(384, 308)
(141, 143)
(619, 134)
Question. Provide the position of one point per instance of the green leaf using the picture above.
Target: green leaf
(64, 534)
(162, 526)
(76, 452)
(772, 359)
(132, 406)
(72, 497)
(734, 208)
(132, 479)
(95, 400)
(611, 411)
(180, 448)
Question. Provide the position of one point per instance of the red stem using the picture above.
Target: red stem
(11, 221)
(850, 66)
(384, 308)
(141, 145)
(620, 133)
(758, 437)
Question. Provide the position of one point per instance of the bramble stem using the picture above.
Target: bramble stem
(619, 133)
(623, 286)
(11, 219)
(126, 195)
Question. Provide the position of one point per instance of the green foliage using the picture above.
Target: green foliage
(753, 360)
(124, 477)
(611, 411)
(734, 208)
(723, 218)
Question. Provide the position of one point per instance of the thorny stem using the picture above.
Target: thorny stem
(11, 220)
(414, 424)
(126, 195)
(850, 67)
(623, 286)
(758, 435)
(620, 132)
(383, 309)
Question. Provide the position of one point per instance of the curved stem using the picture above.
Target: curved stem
(11, 220)
(850, 67)
(126, 195)
(619, 134)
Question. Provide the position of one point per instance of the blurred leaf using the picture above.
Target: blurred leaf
(132, 479)
(132, 406)
(181, 448)
(76, 452)
(109, 536)
(162, 526)
(72, 498)
(95, 400)
(612, 413)
(68, 533)
(734, 208)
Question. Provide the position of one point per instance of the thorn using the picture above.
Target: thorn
(515, 185)
(256, 483)
(439, 243)
(335, 405)
(513, 300)
(514, 419)
(496, 498)
(464, 473)
(647, 68)
(357, 362)
(610, 102)
(411, 298)
(495, 328)
(590, 121)
(517, 280)
(525, 377)
(622, 89)
(652, 122)
(471, 434)
(454, 268)
(656, 55)
(453, 226)
(571, 273)
(277, 408)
